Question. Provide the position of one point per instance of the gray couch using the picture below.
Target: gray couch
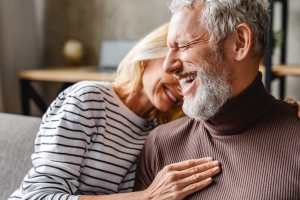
(17, 135)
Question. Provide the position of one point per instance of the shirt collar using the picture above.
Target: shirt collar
(242, 111)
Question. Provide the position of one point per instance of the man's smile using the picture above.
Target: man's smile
(187, 82)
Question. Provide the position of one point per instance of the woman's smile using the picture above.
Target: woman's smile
(171, 95)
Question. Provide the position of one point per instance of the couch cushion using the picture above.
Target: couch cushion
(17, 135)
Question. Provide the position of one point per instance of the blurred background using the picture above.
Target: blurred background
(35, 33)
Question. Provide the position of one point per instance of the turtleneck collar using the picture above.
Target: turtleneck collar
(240, 112)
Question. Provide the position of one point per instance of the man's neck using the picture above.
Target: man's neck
(239, 112)
(242, 80)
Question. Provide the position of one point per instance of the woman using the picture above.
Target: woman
(92, 134)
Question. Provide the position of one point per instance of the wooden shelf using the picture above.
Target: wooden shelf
(286, 70)
(66, 74)
(283, 70)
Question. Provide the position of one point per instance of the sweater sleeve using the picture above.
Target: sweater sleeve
(60, 146)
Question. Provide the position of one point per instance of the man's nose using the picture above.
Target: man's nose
(172, 64)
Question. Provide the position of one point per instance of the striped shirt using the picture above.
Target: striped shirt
(88, 143)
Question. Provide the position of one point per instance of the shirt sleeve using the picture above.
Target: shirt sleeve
(60, 146)
(147, 164)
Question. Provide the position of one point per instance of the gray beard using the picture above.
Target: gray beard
(213, 92)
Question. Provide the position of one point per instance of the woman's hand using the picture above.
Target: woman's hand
(293, 102)
(177, 181)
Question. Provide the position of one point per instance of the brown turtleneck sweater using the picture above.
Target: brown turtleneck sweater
(255, 137)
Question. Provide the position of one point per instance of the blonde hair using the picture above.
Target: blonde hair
(130, 70)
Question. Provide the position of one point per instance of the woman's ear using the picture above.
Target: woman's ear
(242, 41)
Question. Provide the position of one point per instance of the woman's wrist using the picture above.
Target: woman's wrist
(139, 195)
(144, 195)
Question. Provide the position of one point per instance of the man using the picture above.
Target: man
(215, 47)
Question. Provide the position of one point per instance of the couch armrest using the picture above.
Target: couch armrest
(17, 134)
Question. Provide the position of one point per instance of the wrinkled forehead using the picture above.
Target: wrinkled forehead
(186, 25)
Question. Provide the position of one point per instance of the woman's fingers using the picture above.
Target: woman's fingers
(187, 164)
(196, 182)
(198, 177)
(190, 189)
(176, 181)
(298, 109)
(199, 169)
(298, 104)
(291, 101)
(178, 175)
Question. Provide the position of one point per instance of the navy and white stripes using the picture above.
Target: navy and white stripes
(88, 143)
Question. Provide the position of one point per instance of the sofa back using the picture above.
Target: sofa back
(17, 134)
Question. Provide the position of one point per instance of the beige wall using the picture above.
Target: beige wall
(95, 20)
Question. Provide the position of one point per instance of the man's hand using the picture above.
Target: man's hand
(293, 102)
(177, 181)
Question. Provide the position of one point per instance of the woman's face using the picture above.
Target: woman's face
(162, 89)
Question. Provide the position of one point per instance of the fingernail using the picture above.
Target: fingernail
(209, 180)
(217, 169)
(215, 162)
(208, 158)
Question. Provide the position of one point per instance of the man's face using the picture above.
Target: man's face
(198, 64)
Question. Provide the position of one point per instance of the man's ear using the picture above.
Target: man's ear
(243, 41)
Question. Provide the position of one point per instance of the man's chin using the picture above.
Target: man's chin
(190, 109)
(187, 98)
(199, 108)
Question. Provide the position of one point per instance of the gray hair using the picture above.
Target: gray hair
(222, 16)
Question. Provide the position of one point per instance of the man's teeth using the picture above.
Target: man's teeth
(188, 79)
(184, 84)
